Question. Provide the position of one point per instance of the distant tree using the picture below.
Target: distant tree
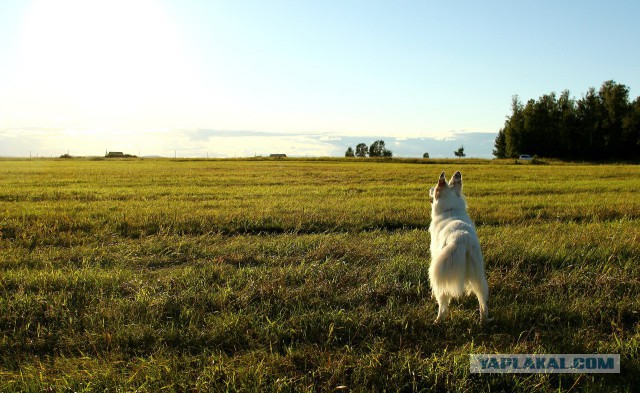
(425, 155)
(361, 150)
(349, 152)
(460, 152)
(377, 149)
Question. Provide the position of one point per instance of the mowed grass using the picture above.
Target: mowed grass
(294, 275)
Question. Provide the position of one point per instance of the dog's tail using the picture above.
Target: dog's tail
(447, 270)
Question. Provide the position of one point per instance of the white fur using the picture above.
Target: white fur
(456, 257)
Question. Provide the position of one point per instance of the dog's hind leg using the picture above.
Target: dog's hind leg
(443, 306)
(481, 290)
(477, 281)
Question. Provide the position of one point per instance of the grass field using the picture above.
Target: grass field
(294, 275)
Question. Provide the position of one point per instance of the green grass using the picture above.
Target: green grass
(306, 275)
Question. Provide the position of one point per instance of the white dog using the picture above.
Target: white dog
(456, 258)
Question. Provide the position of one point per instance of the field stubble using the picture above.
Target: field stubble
(305, 275)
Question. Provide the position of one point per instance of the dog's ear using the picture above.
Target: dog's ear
(442, 185)
(442, 181)
(456, 180)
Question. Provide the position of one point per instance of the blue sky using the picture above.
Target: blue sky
(299, 77)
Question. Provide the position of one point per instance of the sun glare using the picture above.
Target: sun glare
(85, 62)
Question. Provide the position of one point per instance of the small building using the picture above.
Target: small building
(118, 154)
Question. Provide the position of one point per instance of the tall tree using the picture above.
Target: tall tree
(500, 145)
(588, 114)
(567, 129)
(514, 128)
(615, 105)
(631, 131)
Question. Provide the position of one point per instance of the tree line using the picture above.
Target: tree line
(602, 125)
(377, 149)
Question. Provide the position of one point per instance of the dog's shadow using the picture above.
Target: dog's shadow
(540, 329)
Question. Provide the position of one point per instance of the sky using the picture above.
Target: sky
(306, 78)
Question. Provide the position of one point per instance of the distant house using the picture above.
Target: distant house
(118, 154)
(278, 155)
